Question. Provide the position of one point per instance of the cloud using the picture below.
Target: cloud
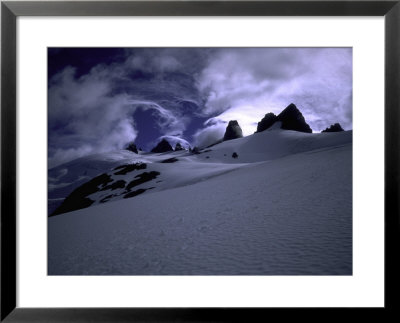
(84, 116)
(170, 122)
(209, 135)
(244, 84)
(182, 87)
(154, 64)
(61, 155)
(94, 112)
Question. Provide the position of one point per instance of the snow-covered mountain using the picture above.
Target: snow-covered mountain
(276, 202)
(112, 176)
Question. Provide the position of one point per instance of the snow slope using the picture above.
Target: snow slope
(283, 207)
(186, 168)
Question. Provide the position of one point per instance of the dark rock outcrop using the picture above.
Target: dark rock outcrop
(233, 131)
(78, 198)
(169, 160)
(142, 178)
(291, 119)
(162, 147)
(132, 147)
(334, 128)
(178, 147)
(115, 185)
(124, 169)
(266, 122)
(195, 150)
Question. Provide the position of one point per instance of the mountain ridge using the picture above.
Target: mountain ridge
(178, 168)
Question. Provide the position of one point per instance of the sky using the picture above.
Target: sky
(100, 99)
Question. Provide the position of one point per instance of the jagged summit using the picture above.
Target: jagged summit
(266, 122)
(334, 128)
(291, 119)
(132, 147)
(233, 131)
(178, 147)
(162, 147)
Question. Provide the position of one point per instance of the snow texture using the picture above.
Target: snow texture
(282, 207)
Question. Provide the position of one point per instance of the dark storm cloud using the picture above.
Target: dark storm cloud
(94, 98)
(93, 112)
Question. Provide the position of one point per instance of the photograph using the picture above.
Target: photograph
(200, 161)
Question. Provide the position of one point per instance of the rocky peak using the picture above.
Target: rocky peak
(178, 146)
(266, 122)
(132, 147)
(162, 147)
(292, 119)
(334, 128)
(233, 131)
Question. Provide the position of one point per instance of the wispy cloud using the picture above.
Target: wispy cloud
(318, 80)
(244, 84)
(94, 112)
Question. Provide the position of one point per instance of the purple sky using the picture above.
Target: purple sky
(102, 98)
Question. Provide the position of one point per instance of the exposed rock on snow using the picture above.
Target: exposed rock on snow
(174, 140)
(132, 147)
(162, 147)
(124, 169)
(142, 178)
(334, 128)
(290, 215)
(78, 198)
(266, 122)
(291, 119)
(169, 160)
(195, 150)
(178, 147)
(115, 185)
(233, 131)
(193, 167)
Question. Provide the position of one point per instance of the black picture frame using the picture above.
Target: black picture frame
(10, 10)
